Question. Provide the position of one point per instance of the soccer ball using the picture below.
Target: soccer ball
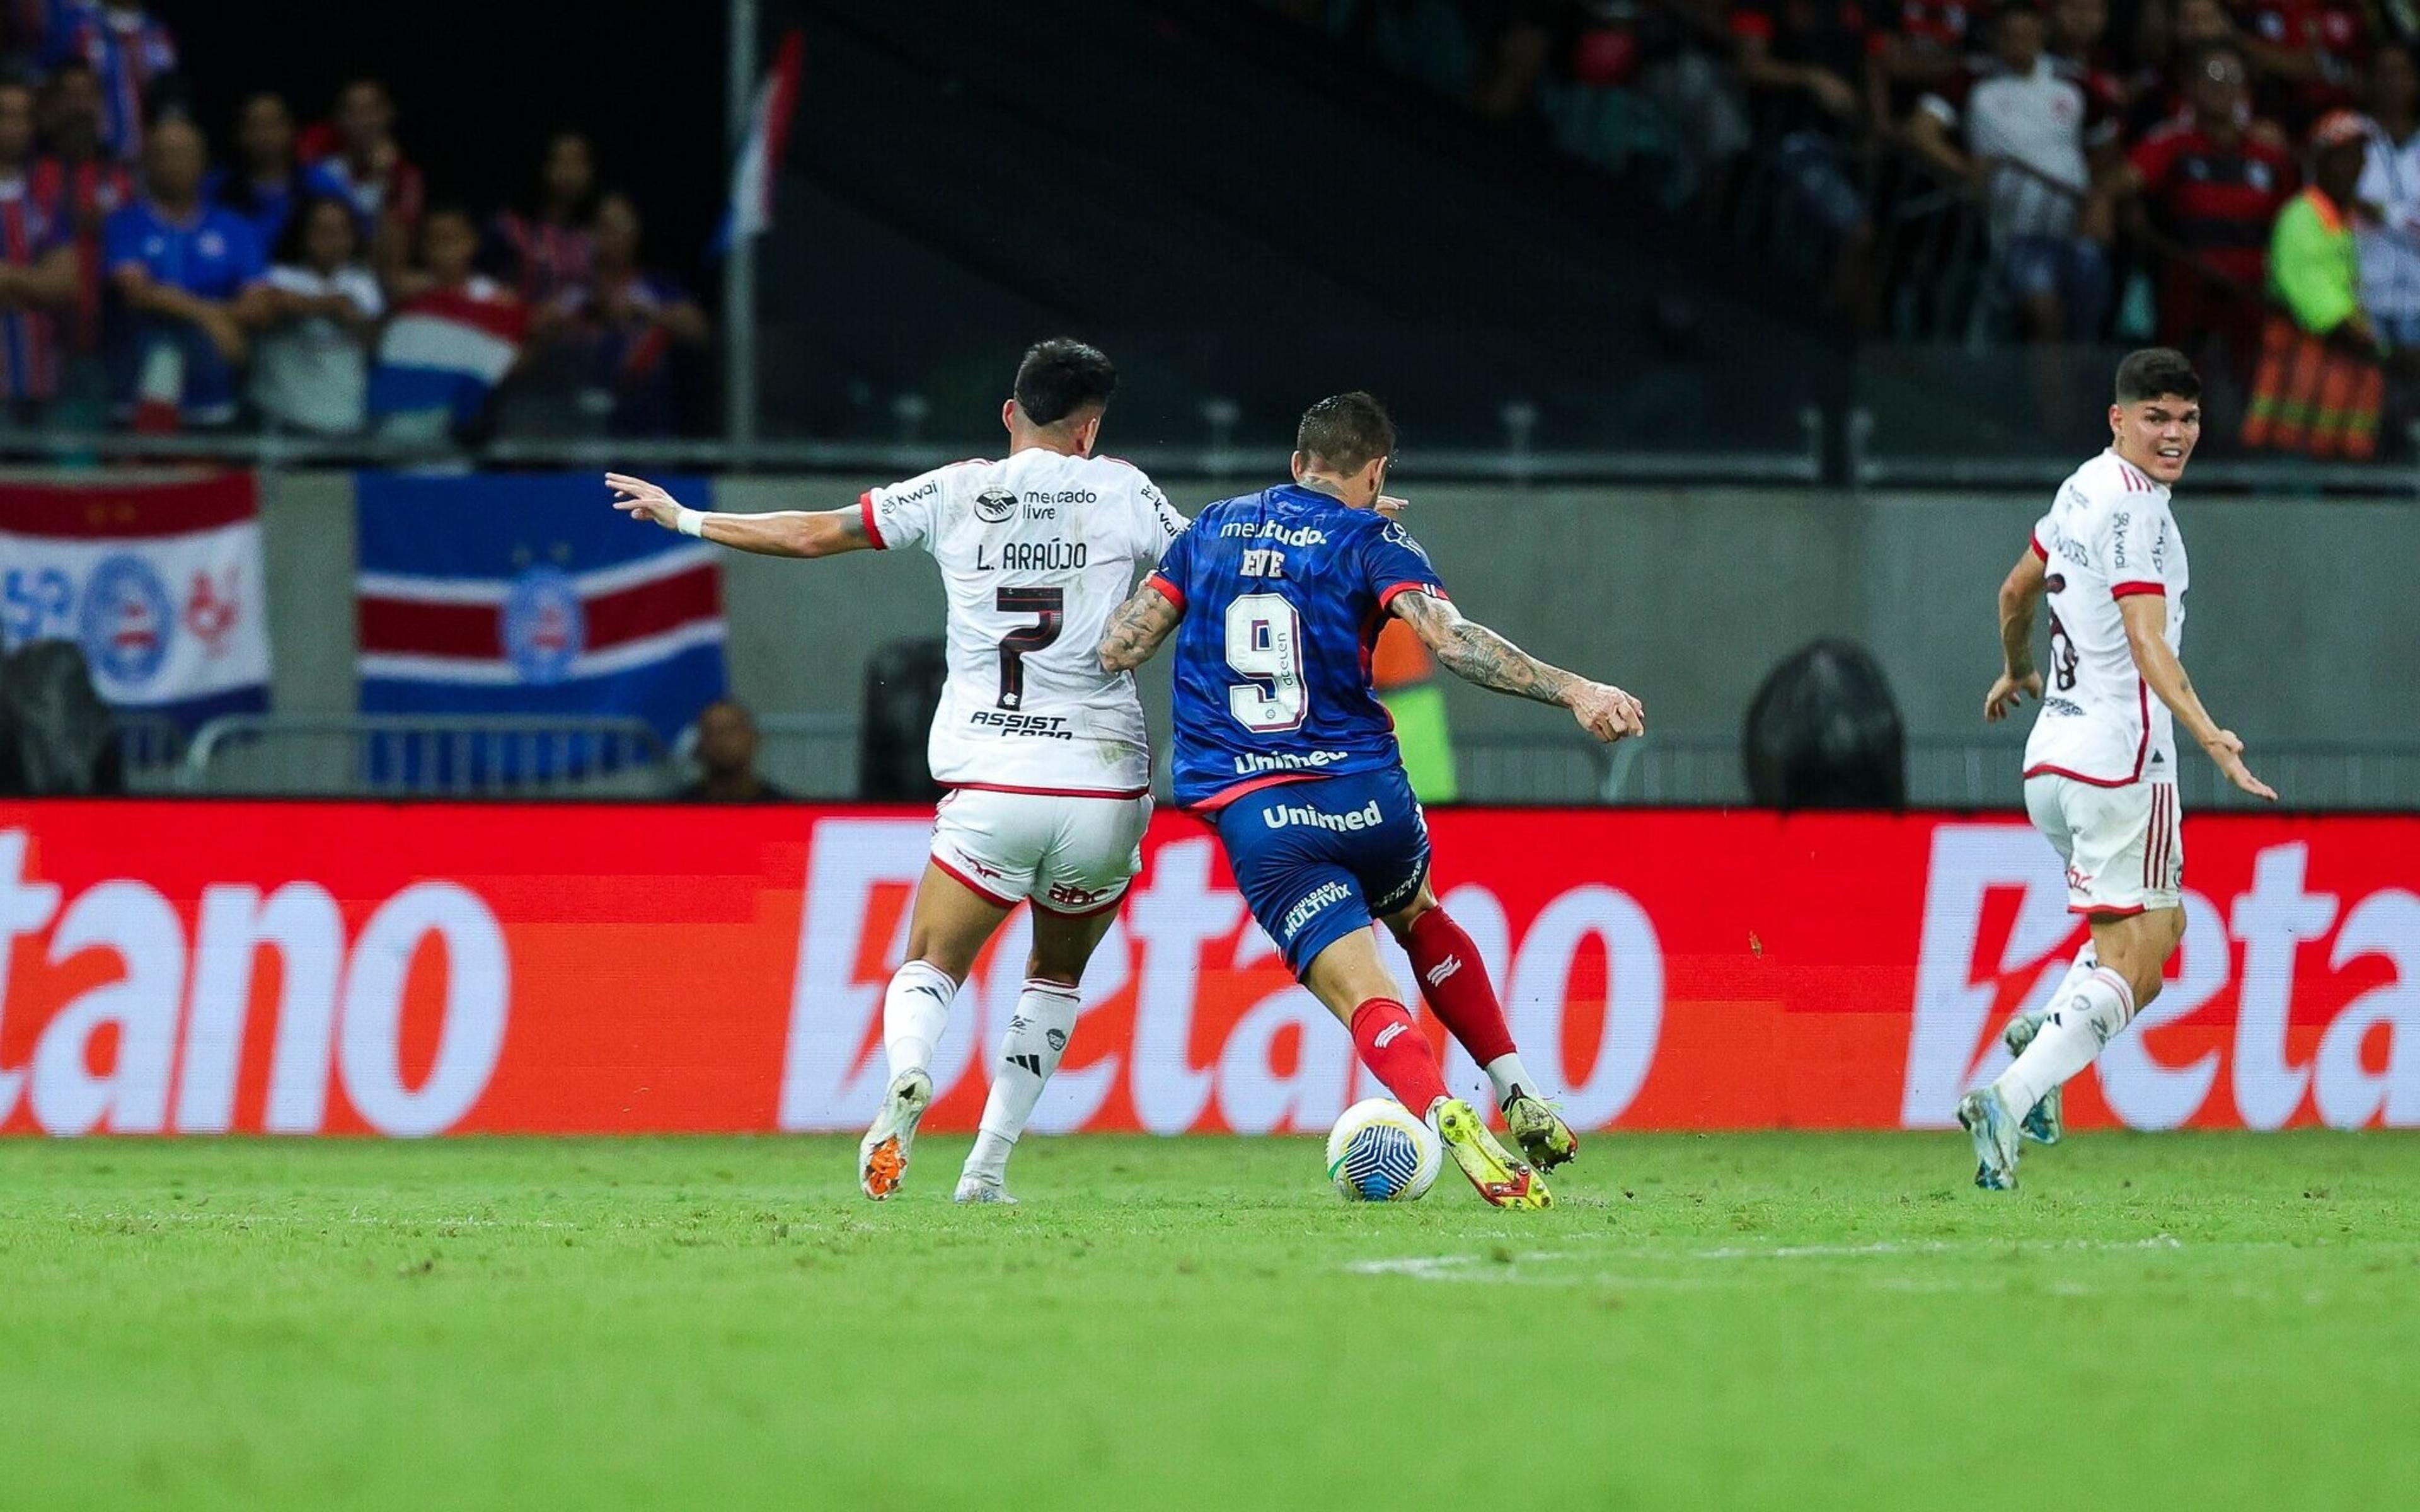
(1380, 1152)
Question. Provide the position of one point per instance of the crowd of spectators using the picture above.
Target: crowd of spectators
(298, 273)
(2190, 171)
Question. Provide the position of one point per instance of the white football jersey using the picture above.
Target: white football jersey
(2108, 536)
(1036, 552)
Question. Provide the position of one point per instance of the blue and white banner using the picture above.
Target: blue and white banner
(527, 595)
(160, 583)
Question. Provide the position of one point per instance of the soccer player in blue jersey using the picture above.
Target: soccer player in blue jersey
(1276, 599)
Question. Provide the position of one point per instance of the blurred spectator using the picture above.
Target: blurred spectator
(2212, 180)
(2319, 388)
(1925, 51)
(86, 188)
(542, 250)
(37, 268)
(2388, 233)
(726, 758)
(2025, 130)
(2079, 50)
(271, 179)
(454, 336)
(318, 313)
(2309, 53)
(132, 59)
(627, 325)
(1688, 75)
(187, 274)
(2314, 270)
(1805, 59)
(364, 163)
(2170, 35)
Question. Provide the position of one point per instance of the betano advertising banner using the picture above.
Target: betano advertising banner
(356, 968)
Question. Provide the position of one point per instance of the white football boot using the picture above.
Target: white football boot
(882, 1154)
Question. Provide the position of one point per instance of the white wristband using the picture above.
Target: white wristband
(689, 521)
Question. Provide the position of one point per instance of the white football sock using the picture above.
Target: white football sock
(2079, 1024)
(915, 1011)
(1509, 1076)
(1029, 1052)
(2085, 962)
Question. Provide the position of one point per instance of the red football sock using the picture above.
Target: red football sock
(1393, 1046)
(1454, 980)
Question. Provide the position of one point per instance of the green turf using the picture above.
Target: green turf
(1796, 1321)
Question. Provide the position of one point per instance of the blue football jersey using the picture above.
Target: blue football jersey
(1284, 592)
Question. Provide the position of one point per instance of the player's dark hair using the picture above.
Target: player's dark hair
(1347, 432)
(2155, 371)
(1062, 376)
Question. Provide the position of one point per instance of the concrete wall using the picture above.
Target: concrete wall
(2304, 627)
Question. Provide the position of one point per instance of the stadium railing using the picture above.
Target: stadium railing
(426, 756)
(1515, 462)
(805, 755)
(813, 756)
(150, 749)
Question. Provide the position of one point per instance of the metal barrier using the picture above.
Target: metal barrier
(1943, 772)
(805, 755)
(150, 749)
(430, 756)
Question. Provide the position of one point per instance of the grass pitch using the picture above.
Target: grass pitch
(1800, 1321)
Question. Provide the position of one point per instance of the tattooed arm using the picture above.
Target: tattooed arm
(1138, 627)
(1480, 656)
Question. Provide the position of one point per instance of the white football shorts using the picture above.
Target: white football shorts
(2124, 847)
(1070, 855)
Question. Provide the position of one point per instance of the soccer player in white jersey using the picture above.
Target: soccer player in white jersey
(1045, 755)
(2101, 765)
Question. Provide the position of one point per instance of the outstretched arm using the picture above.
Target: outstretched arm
(2146, 624)
(787, 532)
(2019, 597)
(1480, 656)
(1138, 627)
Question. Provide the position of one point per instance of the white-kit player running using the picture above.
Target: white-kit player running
(2101, 765)
(1045, 755)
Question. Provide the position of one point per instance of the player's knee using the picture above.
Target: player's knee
(1401, 921)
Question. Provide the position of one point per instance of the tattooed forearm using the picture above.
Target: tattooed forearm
(1479, 656)
(1138, 627)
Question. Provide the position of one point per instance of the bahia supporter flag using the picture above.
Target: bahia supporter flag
(529, 594)
(160, 583)
(441, 355)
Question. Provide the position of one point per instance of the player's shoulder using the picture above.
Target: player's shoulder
(2109, 481)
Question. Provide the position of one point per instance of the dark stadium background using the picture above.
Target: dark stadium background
(478, 86)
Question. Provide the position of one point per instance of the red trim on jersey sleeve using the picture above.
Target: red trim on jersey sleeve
(2129, 590)
(866, 512)
(1392, 590)
(2039, 549)
(1166, 589)
(976, 888)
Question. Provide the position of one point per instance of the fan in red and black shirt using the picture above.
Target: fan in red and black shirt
(2213, 181)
